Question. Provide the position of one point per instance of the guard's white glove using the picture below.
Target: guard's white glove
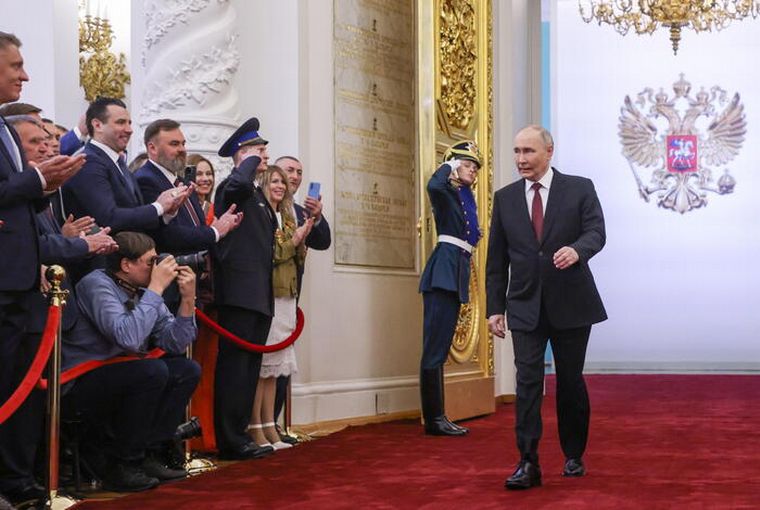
(454, 175)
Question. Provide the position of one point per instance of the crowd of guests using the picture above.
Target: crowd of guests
(144, 241)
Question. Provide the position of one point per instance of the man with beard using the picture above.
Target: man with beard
(164, 170)
(105, 189)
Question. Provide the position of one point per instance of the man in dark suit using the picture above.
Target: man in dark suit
(445, 281)
(22, 190)
(318, 239)
(243, 291)
(164, 170)
(544, 230)
(105, 189)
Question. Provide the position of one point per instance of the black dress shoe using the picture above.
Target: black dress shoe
(127, 477)
(440, 426)
(574, 467)
(26, 496)
(455, 426)
(248, 451)
(153, 467)
(285, 438)
(526, 475)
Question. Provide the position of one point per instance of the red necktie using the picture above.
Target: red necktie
(537, 211)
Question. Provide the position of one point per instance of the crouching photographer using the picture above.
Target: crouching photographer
(131, 410)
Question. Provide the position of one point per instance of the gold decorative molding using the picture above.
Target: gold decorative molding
(465, 343)
(101, 73)
(458, 57)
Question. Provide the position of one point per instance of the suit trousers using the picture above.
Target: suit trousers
(22, 433)
(236, 376)
(573, 409)
(441, 312)
(132, 406)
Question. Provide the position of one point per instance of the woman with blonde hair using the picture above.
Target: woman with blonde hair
(289, 255)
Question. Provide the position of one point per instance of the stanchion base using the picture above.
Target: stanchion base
(196, 466)
(59, 502)
(302, 437)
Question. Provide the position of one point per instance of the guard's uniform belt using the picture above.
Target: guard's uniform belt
(456, 242)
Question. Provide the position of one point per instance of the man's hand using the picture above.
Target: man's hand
(228, 221)
(100, 243)
(454, 175)
(173, 198)
(565, 257)
(73, 228)
(186, 282)
(314, 206)
(44, 283)
(301, 232)
(497, 325)
(163, 274)
(58, 169)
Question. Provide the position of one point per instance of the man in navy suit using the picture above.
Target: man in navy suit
(544, 230)
(243, 291)
(105, 189)
(445, 281)
(318, 239)
(164, 170)
(22, 191)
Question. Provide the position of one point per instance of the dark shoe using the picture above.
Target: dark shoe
(249, 451)
(124, 477)
(285, 438)
(153, 467)
(526, 475)
(456, 427)
(574, 467)
(26, 496)
(440, 426)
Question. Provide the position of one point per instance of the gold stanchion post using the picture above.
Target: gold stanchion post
(55, 275)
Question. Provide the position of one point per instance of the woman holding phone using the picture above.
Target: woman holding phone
(289, 257)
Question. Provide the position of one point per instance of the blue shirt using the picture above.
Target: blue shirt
(110, 325)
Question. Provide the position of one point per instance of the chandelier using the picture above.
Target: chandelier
(645, 16)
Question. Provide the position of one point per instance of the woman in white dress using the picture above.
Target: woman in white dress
(289, 255)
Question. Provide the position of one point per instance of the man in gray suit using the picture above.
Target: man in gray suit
(544, 230)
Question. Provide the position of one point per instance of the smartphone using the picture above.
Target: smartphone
(190, 172)
(314, 190)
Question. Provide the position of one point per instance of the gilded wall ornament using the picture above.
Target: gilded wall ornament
(685, 138)
(465, 343)
(458, 59)
(101, 73)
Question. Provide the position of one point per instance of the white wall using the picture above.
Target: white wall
(50, 50)
(680, 290)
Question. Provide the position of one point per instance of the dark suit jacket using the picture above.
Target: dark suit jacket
(573, 218)
(100, 190)
(20, 197)
(318, 239)
(181, 235)
(70, 143)
(448, 267)
(243, 272)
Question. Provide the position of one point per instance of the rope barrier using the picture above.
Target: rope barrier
(88, 366)
(46, 346)
(38, 365)
(243, 344)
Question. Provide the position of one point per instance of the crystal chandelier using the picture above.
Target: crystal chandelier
(645, 16)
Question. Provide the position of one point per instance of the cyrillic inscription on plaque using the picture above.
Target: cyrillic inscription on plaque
(374, 133)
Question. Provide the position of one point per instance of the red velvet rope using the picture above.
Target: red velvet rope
(227, 335)
(89, 366)
(38, 365)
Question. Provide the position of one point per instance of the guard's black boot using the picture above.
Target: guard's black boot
(431, 393)
(450, 423)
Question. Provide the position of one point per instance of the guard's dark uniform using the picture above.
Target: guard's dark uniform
(445, 282)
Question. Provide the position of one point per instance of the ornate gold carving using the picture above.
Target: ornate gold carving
(489, 155)
(458, 58)
(465, 342)
(101, 73)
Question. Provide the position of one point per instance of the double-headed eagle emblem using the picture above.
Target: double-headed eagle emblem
(683, 140)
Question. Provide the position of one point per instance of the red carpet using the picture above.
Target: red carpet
(657, 441)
